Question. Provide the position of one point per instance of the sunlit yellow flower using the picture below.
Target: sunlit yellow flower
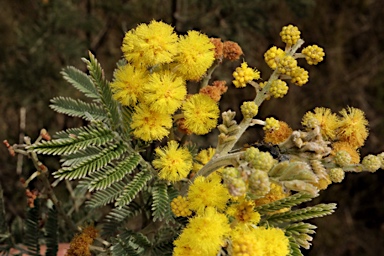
(164, 92)
(206, 192)
(196, 55)
(204, 233)
(150, 125)
(328, 122)
(200, 114)
(353, 127)
(173, 163)
(243, 212)
(150, 45)
(127, 86)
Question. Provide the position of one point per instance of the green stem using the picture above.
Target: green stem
(208, 76)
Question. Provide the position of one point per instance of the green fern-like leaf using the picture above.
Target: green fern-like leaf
(51, 229)
(31, 237)
(110, 105)
(294, 248)
(317, 211)
(80, 81)
(78, 108)
(287, 202)
(301, 232)
(91, 164)
(117, 217)
(114, 174)
(161, 203)
(133, 188)
(104, 197)
(80, 156)
(126, 114)
(129, 243)
(92, 135)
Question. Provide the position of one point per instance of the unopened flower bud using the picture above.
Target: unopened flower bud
(336, 175)
(249, 109)
(342, 158)
(259, 184)
(259, 160)
(371, 163)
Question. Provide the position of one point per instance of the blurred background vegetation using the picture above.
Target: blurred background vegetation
(40, 37)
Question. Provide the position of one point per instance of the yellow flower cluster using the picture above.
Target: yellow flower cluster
(278, 88)
(249, 109)
(313, 54)
(271, 124)
(180, 207)
(244, 75)
(153, 81)
(290, 34)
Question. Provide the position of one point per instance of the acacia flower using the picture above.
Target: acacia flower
(200, 114)
(180, 207)
(345, 146)
(243, 212)
(272, 56)
(173, 163)
(204, 234)
(203, 158)
(328, 122)
(278, 136)
(290, 34)
(244, 75)
(353, 127)
(164, 92)
(206, 192)
(150, 125)
(196, 55)
(127, 86)
(276, 192)
(149, 45)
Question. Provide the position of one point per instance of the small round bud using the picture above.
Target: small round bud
(313, 54)
(336, 175)
(287, 65)
(272, 56)
(244, 75)
(249, 109)
(343, 158)
(299, 76)
(180, 207)
(290, 34)
(259, 160)
(371, 163)
(381, 157)
(230, 172)
(236, 186)
(278, 88)
(259, 184)
(271, 124)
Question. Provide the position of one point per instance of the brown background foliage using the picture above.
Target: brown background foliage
(38, 38)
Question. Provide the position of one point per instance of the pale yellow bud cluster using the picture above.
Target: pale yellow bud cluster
(313, 54)
(244, 75)
(290, 34)
(271, 124)
(249, 109)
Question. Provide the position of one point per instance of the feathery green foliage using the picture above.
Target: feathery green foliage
(80, 81)
(32, 232)
(106, 196)
(127, 243)
(294, 248)
(51, 233)
(317, 211)
(78, 108)
(161, 202)
(286, 202)
(133, 188)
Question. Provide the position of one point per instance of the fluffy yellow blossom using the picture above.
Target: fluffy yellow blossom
(196, 55)
(243, 242)
(203, 158)
(149, 45)
(278, 136)
(200, 114)
(180, 207)
(244, 75)
(150, 125)
(127, 86)
(173, 163)
(206, 192)
(353, 127)
(272, 56)
(328, 122)
(164, 92)
(243, 213)
(204, 233)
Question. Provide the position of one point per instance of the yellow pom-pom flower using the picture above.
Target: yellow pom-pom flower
(353, 127)
(149, 45)
(287, 65)
(249, 109)
(164, 92)
(323, 117)
(313, 54)
(290, 34)
(200, 114)
(127, 85)
(278, 136)
(244, 75)
(150, 125)
(278, 88)
(180, 207)
(204, 233)
(299, 76)
(272, 56)
(243, 242)
(196, 55)
(173, 163)
(272, 241)
(205, 192)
